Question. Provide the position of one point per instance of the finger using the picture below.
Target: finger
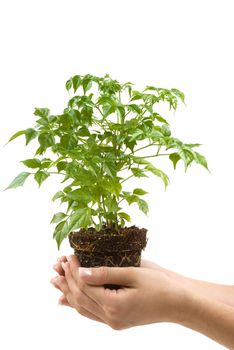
(123, 276)
(58, 268)
(74, 265)
(82, 300)
(63, 301)
(60, 283)
(69, 278)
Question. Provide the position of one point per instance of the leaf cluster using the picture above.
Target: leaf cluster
(94, 145)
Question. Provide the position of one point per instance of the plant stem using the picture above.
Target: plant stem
(152, 144)
(126, 178)
(154, 155)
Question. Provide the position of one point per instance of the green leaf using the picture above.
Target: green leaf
(46, 140)
(61, 166)
(140, 160)
(135, 135)
(58, 195)
(143, 206)
(124, 216)
(42, 112)
(81, 218)
(136, 96)
(111, 204)
(200, 159)
(159, 118)
(110, 168)
(32, 163)
(41, 176)
(112, 185)
(30, 134)
(60, 233)
(134, 108)
(17, 134)
(139, 191)
(130, 198)
(76, 81)
(158, 173)
(86, 83)
(18, 181)
(174, 157)
(69, 84)
(166, 130)
(58, 217)
(138, 172)
(81, 195)
(179, 94)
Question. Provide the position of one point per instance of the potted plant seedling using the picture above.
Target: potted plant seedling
(94, 145)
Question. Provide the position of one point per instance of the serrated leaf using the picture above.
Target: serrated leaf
(138, 172)
(143, 206)
(200, 159)
(124, 216)
(135, 135)
(158, 173)
(41, 176)
(111, 185)
(58, 217)
(81, 195)
(32, 163)
(136, 96)
(179, 94)
(18, 181)
(42, 112)
(81, 218)
(134, 108)
(111, 204)
(160, 118)
(139, 191)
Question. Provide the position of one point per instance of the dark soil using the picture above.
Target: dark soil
(109, 247)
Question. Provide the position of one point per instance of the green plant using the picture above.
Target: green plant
(93, 141)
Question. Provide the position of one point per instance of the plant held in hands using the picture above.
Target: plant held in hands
(94, 146)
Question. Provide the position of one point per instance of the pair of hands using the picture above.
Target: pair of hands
(147, 293)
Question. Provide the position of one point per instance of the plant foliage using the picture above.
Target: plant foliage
(98, 136)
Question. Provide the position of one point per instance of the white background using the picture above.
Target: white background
(182, 44)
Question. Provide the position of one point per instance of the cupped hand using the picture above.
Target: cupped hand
(147, 294)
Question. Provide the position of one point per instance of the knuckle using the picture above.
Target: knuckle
(103, 273)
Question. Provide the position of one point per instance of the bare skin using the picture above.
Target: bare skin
(150, 294)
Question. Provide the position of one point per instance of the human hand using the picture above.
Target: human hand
(147, 295)
(58, 268)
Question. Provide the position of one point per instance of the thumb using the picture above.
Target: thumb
(125, 276)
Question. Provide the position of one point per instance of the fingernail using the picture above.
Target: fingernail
(54, 266)
(69, 258)
(85, 272)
